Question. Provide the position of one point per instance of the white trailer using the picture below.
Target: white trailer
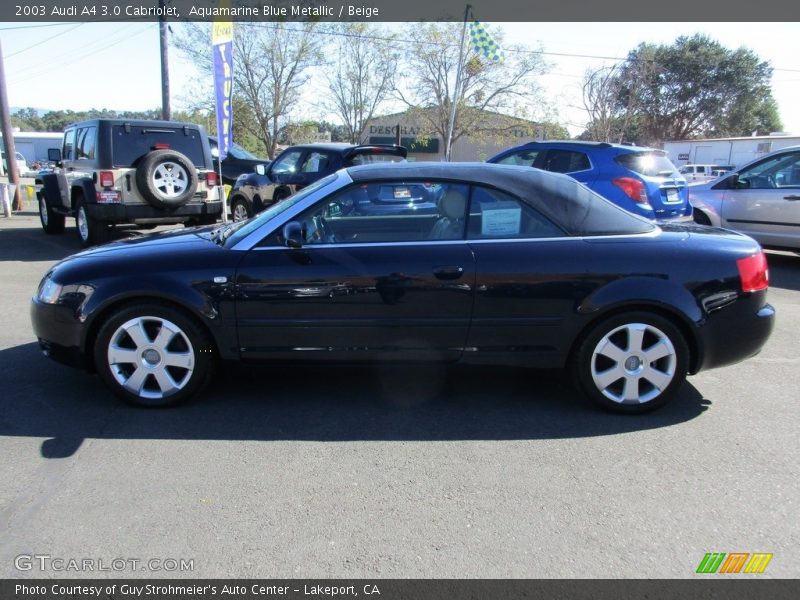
(726, 151)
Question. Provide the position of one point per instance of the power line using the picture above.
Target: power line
(46, 40)
(68, 58)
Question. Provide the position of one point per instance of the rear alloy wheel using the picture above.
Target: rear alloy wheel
(52, 222)
(240, 211)
(632, 363)
(153, 355)
(90, 230)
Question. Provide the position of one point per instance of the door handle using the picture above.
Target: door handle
(448, 272)
(791, 197)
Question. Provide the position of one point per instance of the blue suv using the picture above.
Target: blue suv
(641, 180)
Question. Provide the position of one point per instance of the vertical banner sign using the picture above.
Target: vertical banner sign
(222, 42)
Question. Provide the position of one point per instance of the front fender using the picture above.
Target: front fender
(202, 300)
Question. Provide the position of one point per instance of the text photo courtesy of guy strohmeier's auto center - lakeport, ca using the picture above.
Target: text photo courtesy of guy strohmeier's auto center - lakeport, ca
(329, 299)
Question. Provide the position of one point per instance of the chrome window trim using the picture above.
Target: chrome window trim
(655, 232)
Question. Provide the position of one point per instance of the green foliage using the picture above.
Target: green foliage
(694, 88)
(28, 119)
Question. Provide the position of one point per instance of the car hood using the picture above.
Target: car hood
(164, 240)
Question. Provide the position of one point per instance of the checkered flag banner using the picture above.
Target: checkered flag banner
(483, 43)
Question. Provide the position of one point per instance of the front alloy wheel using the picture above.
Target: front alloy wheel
(632, 363)
(153, 355)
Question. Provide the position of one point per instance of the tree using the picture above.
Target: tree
(507, 86)
(271, 68)
(363, 75)
(695, 87)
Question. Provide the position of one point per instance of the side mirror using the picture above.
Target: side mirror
(293, 235)
(54, 154)
(261, 169)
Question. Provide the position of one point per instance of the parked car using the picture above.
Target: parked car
(238, 161)
(641, 180)
(700, 173)
(22, 164)
(517, 266)
(761, 199)
(299, 166)
(118, 171)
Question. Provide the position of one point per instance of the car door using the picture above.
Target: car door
(529, 275)
(390, 286)
(766, 201)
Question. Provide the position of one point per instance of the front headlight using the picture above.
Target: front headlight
(49, 291)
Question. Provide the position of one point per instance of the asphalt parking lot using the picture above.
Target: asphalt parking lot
(387, 472)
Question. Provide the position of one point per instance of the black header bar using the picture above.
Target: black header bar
(399, 11)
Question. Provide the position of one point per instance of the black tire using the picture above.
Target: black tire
(240, 209)
(134, 346)
(90, 231)
(280, 194)
(166, 179)
(52, 222)
(642, 382)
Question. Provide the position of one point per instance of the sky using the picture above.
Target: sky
(118, 63)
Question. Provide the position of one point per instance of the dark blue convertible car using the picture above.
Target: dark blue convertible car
(515, 266)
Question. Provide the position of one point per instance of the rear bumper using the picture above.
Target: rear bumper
(734, 334)
(129, 213)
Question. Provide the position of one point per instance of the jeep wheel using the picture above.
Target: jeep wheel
(90, 231)
(166, 179)
(52, 222)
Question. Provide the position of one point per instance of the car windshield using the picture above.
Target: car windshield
(236, 151)
(649, 164)
(238, 231)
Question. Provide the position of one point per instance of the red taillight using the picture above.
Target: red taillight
(211, 179)
(753, 272)
(106, 179)
(161, 147)
(633, 188)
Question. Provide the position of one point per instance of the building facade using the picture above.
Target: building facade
(494, 132)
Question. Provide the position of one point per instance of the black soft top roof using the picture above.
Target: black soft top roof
(576, 208)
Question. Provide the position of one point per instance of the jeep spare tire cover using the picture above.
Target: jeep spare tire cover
(166, 178)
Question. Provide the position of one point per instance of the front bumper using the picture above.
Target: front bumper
(59, 333)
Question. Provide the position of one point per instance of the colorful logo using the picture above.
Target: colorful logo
(735, 562)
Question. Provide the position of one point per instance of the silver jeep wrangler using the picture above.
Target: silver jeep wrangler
(116, 171)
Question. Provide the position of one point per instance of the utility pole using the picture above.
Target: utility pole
(451, 124)
(166, 110)
(8, 136)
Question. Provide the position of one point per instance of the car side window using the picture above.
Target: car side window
(69, 145)
(566, 161)
(776, 172)
(523, 158)
(86, 142)
(287, 163)
(390, 211)
(315, 162)
(497, 215)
